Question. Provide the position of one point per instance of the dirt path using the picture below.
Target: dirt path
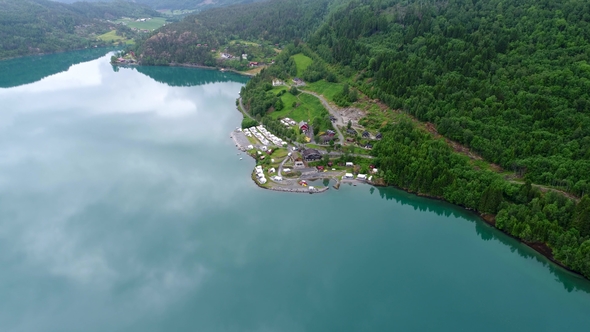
(332, 112)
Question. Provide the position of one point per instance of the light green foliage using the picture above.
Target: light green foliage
(302, 63)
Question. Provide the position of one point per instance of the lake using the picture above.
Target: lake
(124, 206)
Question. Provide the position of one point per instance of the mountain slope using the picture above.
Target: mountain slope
(41, 26)
(191, 40)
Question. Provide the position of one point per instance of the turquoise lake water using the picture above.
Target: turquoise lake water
(124, 207)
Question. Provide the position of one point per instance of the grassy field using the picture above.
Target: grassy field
(309, 107)
(302, 63)
(111, 36)
(150, 24)
(176, 12)
(329, 90)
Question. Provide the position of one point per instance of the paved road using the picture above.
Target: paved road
(332, 112)
(244, 109)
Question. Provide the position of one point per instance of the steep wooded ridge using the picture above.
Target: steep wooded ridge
(191, 40)
(508, 79)
(42, 26)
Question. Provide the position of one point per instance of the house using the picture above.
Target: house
(332, 118)
(303, 126)
(325, 139)
(244, 56)
(298, 81)
(348, 176)
(378, 136)
(299, 164)
(361, 177)
(351, 131)
(330, 133)
(320, 168)
(330, 164)
(349, 164)
(253, 64)
(366, 134)
(286, 170)
(375, 171)
(250, 147)
(369, 146)
(277, 82)
(277, 178)
(311, 154)
(272, 170)
(262, 180)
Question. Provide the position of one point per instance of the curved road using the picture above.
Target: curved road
(243, 110)
(331, 111)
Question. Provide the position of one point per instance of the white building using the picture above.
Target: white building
(361, 177)
(349, 164)
(348, 176)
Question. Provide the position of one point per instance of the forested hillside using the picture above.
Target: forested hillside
(191, 40)
(42, 26)
(511, 80)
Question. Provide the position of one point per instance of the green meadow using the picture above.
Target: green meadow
(151, 24)
(302, 63)
(308, 107)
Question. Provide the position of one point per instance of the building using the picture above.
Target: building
(245, 56)
(379, 136)
(348, 176)
(277, 82)
(298, 81)
(361, 177)
(349, 164)
(325, 139)
(351, 131)
(299, 164)
(311, 154)
(303, 126)
(366, 134)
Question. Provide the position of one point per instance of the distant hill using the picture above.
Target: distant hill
(177, 4)
(42, 26)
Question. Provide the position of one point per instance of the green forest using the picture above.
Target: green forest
(43, 26)
(192, 39)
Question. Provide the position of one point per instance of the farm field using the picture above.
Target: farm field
(150, 24)
(111, 36)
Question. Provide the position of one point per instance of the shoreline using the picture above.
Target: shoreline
(185, 65)
(489, 219)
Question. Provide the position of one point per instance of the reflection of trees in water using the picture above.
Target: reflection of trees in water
(31, 69)
(570, 281)
(182, 76)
